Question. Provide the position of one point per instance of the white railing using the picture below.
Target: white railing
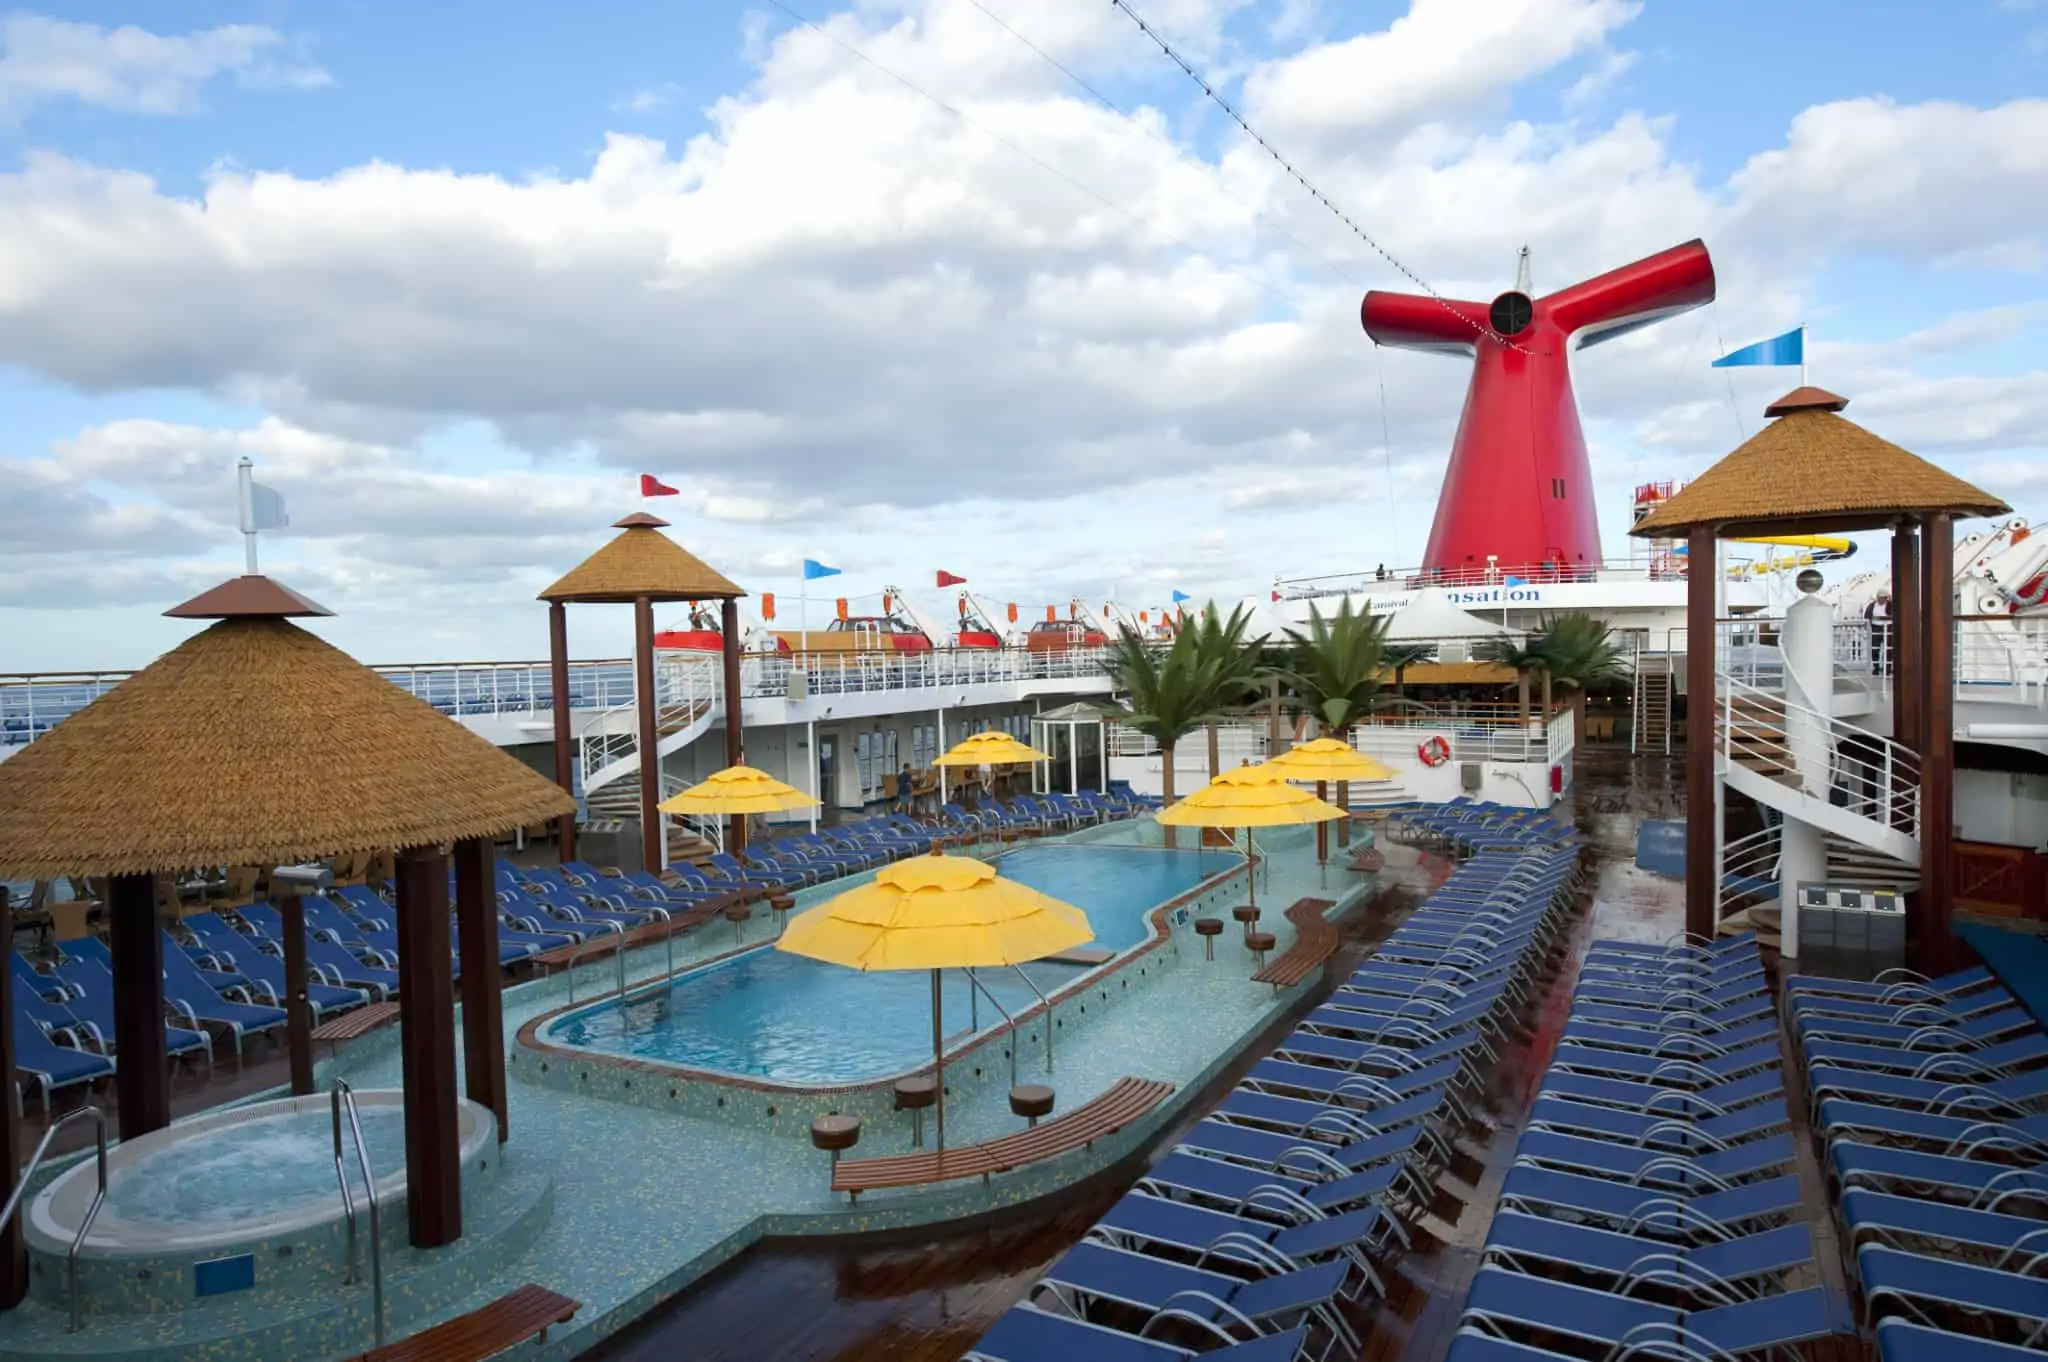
(1479, 575)
(1804, 750)
(686, 690)
(843, 673)
(1749, 869)
(710, 827)
(1563, 731)
(1996, 657)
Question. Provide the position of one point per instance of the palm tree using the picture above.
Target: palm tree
(1402, 656)
(1334, 670)
(1581, 652)
(1232, 659)
(1526, 656)
(1184, 685)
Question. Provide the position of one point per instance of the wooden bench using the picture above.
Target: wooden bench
(513, 1318)
(358, 1021)
(1315, 941)
(1127, 1100)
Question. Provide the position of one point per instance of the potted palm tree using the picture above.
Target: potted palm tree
(1333, 672)
(1185, 685)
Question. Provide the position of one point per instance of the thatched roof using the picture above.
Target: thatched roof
(642, 561)
(253, 743)
(1813, 469)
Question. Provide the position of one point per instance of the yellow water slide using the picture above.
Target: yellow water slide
(1816, 549)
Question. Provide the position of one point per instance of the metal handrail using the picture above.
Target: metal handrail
(979, 987)
(1046, 1002)
(341, 1097)
(99, 1196)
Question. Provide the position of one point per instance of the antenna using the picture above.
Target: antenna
(1522, 271)
(245, 488)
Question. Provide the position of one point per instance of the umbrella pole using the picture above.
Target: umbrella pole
(1323, 829)
(938, 1069)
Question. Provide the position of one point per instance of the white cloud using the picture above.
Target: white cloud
(649, 99)
(132, 70)
(849, 326)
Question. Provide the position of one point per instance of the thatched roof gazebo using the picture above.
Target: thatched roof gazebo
(1814, 471)
(255, 742)
(641, 567)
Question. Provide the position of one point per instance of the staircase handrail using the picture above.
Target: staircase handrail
(98, 1117)
(1883, 787)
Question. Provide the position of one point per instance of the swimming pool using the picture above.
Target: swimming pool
(782, 1018)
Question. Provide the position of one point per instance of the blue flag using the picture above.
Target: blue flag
(1778, 352)
(813, 569)
(1518, 581)
(1180, 596)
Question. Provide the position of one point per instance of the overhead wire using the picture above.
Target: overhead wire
(1318, 195)
(1170, 238)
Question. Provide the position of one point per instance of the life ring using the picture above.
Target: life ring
(1435, 752)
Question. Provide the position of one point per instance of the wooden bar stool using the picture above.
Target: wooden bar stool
(737, 915)
(1246, 913)
(1208, 928)
(914, 1095)
(835, 1134)
(1031, 1101)
(1258, 943)
(780, 904)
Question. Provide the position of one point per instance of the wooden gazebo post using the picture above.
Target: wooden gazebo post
(1938, 732)
(266, 713)
(565, 753)
(729, 685)
(1702, 715)
(643, 568)
(1907, 603)
(483, 1011)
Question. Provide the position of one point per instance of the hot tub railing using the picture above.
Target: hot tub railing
(342, 1098)
(1044, 1002)
(99, 1197)
(978, 990)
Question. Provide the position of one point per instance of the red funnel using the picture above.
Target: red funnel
(1519, 486)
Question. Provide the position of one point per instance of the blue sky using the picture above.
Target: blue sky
(454, 275)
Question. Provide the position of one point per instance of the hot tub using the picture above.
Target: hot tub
(245, 1198)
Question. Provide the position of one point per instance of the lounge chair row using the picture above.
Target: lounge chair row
(1652, 1204)
(1928, 1101)
(1247, 1238)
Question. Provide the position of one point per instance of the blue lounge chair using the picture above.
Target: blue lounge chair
(1896, 985)
(1305, 1296)
(1923, 1289)
(1233, 1186)
(1651, 1130)
(1706, 1072)
(1549, 1192)
(53, 1067)
(1509, 1303)
(1971, 1181)
(1941, 1084)
(188, 993)
(1711, 1170)
(1027, 1334)
(1206, 1235)
(92, 1000)
(1752, 1264)
(247, 955)
(1918, 1225)
(1901, 1341)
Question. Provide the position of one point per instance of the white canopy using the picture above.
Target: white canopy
(1429, 615)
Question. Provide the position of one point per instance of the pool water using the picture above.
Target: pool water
(271, 1168)
(788, 1019)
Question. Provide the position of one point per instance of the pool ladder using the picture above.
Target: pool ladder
(99, 1197)
(341, 1098)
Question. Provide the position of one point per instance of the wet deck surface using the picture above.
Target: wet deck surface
(932, 1299)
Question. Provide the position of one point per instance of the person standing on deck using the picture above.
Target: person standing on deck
(1878, 614)
(904, 783)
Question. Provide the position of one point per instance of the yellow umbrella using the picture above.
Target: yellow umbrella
(992, 748)
(936, 912)
(1248, 797)
(737, 790)
(1325, 760)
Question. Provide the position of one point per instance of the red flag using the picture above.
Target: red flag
(949, 579)
(651, 486)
